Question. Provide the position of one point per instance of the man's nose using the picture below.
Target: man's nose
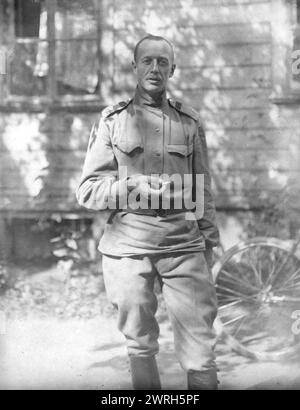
(154, 65)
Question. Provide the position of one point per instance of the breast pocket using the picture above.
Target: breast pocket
(179, 158)
(129, 153)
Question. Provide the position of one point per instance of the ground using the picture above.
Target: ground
(47, 346)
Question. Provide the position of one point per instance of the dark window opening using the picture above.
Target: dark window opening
(27, 18)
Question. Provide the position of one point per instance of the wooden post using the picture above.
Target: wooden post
(5, 241)
(52, 85)
(99, 16)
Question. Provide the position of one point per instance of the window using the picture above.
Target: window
(56, 51)
(296, 49)
(286, 51)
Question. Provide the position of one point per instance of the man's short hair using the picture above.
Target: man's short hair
(155, 38)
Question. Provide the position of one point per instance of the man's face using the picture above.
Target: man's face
(154, 65)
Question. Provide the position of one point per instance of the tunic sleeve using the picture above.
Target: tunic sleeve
(207, 223)
(99, 188)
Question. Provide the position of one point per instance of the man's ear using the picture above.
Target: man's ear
(172, 70)
(133, 63)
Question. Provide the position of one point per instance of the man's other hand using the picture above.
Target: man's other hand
(146, 185)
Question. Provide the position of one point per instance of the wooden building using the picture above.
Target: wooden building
(62, 61)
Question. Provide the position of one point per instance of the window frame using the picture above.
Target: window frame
(283, 20)
(51, 100)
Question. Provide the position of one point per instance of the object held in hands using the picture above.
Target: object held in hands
(147, 186)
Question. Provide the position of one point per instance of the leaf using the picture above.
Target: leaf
(60, 253)
(56, 239)
(71, 243)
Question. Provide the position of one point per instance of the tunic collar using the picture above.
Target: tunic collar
(144, 100)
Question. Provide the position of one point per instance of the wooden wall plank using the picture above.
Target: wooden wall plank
(204, 14)
(133, 4)
(250, 99)
(200, 34)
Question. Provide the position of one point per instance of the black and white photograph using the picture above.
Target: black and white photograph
(149, 197)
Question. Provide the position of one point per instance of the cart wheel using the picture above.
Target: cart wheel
(258, 289)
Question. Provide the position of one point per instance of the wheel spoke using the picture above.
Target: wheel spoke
(226, 300)
(235, 319)
(241, 295)
(236, 302)
(289, 287)
(273, 269)
(234, 280)
(240, 325)
(291, 278)
(253, 267)
(227, 297)
(257, 336)
(258, 269)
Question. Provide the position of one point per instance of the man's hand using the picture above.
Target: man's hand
(146, 185)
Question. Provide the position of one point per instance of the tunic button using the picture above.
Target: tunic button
(157, 154)
(157, 129)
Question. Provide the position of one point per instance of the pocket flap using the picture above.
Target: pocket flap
(128, 146)
(180, 149)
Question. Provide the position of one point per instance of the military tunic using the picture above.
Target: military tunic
(140, 138)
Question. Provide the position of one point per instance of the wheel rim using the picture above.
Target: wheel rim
(258, 288)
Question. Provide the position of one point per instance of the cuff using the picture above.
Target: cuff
(119, 192)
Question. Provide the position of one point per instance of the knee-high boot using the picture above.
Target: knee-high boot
(144, 373)
(202, 380)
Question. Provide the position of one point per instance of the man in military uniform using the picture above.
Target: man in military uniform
(133, 149)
